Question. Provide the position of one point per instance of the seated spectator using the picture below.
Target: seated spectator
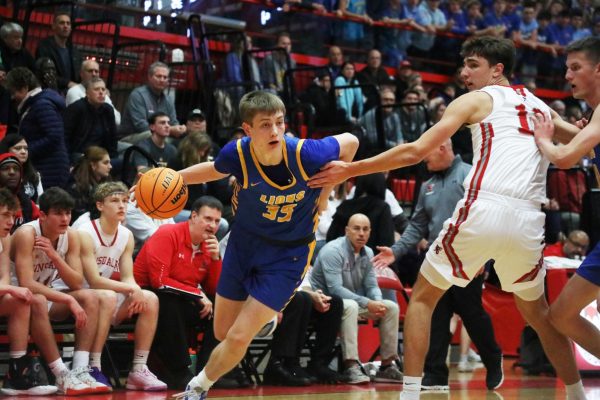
(337, 195)
(403, 73)
(275, 64)
(182, 257)
(350, 100)
(11, 172)
(12, 52)
(373, 75)
(392, 129)
(475, 23)
(234, 67)
(336, 59)
(573, 246)
(578, 23)
(56, 274)
(45, 71)
(107, 260)
(196, 122)
(320, 96)
(31, 179)
(560, 34)
(324, 313)
(194, 149)
(89, 69)
(369, 199)
(343, 268)
(65, 58)
(41, 125)
(90, 121)
(163, 153)
(412, 116)
(90, 170)
(146, 100)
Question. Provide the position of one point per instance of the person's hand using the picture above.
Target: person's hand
(331, 174)
(207, 308)
(78, 313)
(319, 8)
(582, 123)
(177, 130)
(422, 246)
(321, 302)
(44, 244)
(21, 293)
(376, 308)
(384, 258)
(138, 302)
(543, 127)
(212, 245)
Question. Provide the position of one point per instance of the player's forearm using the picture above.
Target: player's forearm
(558, 155)
(201, 173)
(400, 156)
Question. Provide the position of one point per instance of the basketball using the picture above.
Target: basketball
(161, 193)
(268, 329)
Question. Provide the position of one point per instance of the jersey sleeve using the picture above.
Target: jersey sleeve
(316, 153)
(228, 160)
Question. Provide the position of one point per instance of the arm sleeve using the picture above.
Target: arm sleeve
(50, 122)
(137, 111)
(333, 263)
(228, 161)
(416, 229)
(71, 121)
(212, 279)
(371, 285)
(316, 153)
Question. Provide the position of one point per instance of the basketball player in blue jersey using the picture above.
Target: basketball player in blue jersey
(272, 241)
(583, 73)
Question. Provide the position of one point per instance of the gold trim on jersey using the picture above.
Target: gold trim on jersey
(242, 162)
(299, 160)
(265, 177)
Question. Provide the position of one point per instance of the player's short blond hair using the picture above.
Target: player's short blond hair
(257, 102)
(107, 188)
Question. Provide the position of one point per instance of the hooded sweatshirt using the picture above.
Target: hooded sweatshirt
(28, 210)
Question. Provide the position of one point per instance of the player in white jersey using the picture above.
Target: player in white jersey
(45, 253)
(16, 304)
(583, 73)
(500, 216)
(107, 258)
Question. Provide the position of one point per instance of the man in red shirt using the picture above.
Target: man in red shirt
(573, 246)
(181, 264)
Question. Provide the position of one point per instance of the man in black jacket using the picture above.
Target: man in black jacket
(90, 121)
(66, 59)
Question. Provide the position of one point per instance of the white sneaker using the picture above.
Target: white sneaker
(143, 379)
(83, 374)
(465, 366)
(473, 357)
(69, 385)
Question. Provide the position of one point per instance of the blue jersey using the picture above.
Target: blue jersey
(277, 213)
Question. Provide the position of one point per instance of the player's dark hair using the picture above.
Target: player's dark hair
(56, 199)
(493, 50)
(8, 199)
(207, 201)
(590, 46)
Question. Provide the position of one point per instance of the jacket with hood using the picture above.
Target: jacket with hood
(42, 126)
(28, 210)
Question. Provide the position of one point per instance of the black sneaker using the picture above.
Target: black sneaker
(434, 384)
(494, 375)
(26, 376)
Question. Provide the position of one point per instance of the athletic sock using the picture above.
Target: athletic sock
(411, 389)
(58, 367)
(575, 391)
(96, 360)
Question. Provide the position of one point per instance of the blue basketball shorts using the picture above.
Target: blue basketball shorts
(590, 267)
(271, 274)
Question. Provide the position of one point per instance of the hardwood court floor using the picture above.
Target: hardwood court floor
(463, 386)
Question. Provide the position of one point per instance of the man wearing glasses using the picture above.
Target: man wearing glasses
(573, 246)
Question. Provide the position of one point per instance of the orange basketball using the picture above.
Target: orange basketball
(161, 193)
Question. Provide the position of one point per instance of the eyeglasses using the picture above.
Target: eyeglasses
(582, 246)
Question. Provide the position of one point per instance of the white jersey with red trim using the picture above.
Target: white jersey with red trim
(506, 160)
(44, 270)
(108, 249)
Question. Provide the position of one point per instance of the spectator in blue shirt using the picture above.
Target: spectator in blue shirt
(577, 20)
(350, 100)
(527, 37)
(496, 19)
(560, 35)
